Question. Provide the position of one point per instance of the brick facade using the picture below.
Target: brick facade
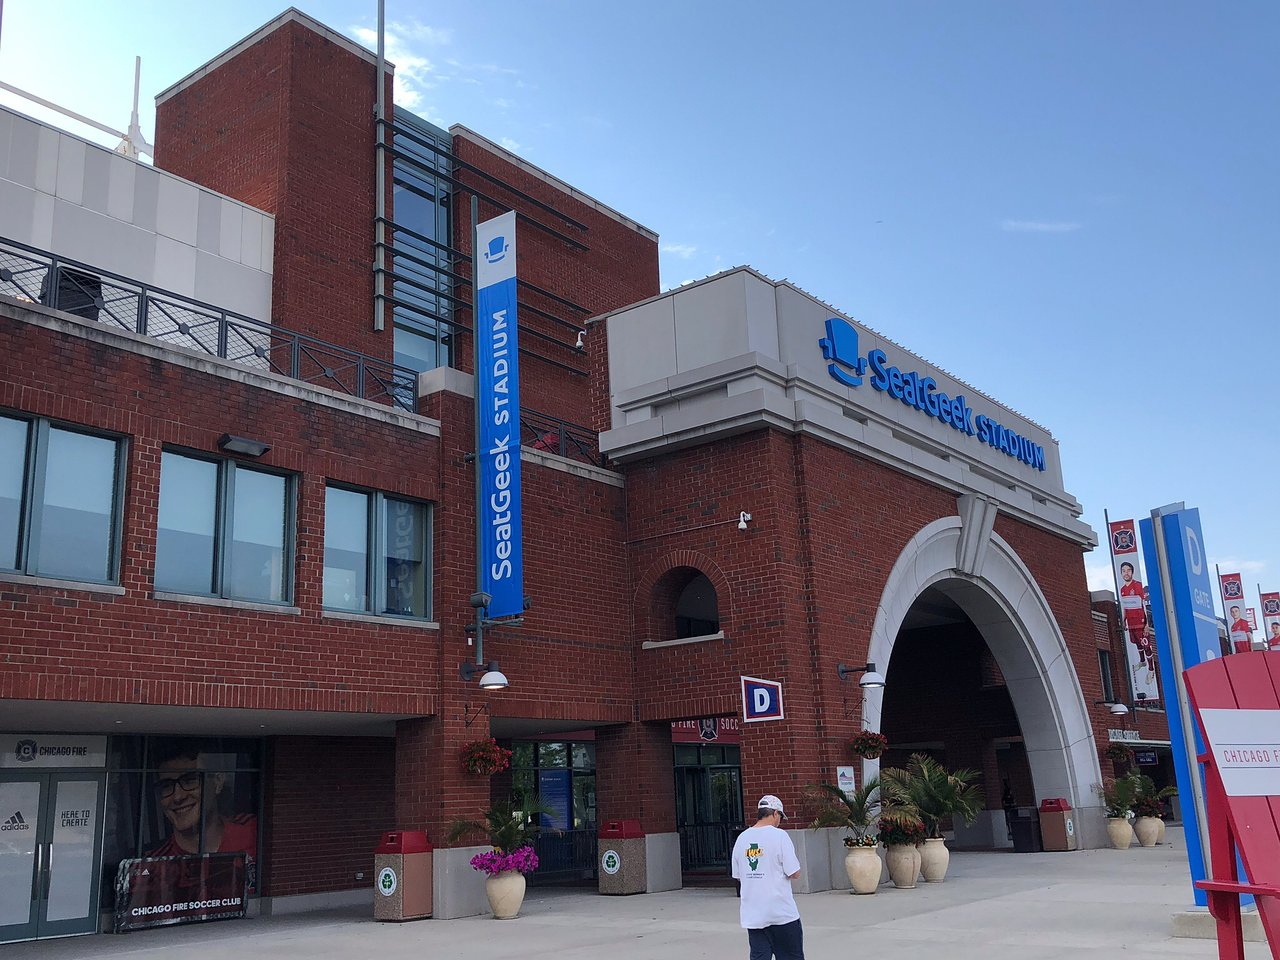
(285, 124)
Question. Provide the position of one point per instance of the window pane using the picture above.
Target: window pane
(255, 570)
(553, 755)
(187, 522)
(76, 512)
(419, 350)
(346, 549)
(404, 535)
(13, 461)
(584, 756)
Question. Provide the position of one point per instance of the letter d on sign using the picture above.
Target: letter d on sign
(761, 700)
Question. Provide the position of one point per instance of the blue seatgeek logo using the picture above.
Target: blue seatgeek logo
(847, 366)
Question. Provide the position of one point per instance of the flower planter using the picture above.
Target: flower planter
(1147, 830)
(904, 865)
(506, 893)
(1159, 830)
(1120, 832)
(934, 858)
(862, 864)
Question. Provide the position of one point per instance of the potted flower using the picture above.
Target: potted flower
(1118, 796)
(1148, 811)
(511, 833)
(868, 744)
(1118, 753)
(900, 836)
(856, 813)
(485, 757)
(937, 794)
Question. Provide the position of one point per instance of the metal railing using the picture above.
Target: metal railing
(550, 435)
(565, 854)
(103, 297)
(707, 846)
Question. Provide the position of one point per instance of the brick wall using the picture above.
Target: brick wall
(328, 801)
(287, 126)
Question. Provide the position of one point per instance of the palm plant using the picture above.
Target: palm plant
(1147, 802)
(859, 811)
(1119, 794)
(504, 826)
(937, 793)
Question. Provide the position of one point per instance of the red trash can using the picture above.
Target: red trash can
(402, 876)
(1057, 825)
(623, 868)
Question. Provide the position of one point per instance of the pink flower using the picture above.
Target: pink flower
(495, 861)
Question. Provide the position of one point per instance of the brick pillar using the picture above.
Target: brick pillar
(635, 775)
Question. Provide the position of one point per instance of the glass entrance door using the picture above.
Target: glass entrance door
(50, 838)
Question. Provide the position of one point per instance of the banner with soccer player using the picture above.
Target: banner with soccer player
(1232, 586)
(1140, 648)
(1271, 619)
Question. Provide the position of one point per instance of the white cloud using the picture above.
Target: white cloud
(684, 251)
(1236, 565)
(1100, 576)
(1039, 226)
(436, 36)
(510, 144)
(414, 72)
(502, 103)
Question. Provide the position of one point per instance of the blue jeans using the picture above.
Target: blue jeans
(784, 941)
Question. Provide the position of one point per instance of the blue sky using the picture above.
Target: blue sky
(1072, 205)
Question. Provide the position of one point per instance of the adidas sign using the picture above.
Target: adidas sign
(16, 822)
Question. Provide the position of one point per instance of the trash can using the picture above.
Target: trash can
(1025, 823)
(623, 866)
(402, 876)
(1057, 825)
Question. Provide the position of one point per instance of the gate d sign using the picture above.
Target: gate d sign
(761, 700)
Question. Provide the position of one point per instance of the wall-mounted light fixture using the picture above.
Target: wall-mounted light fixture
(743, 519)
(250, 448)
(872, 679)
(1115, 708)
(491, 678)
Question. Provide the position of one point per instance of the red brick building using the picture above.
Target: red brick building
(238, 519)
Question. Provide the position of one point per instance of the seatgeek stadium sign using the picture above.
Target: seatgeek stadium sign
(847, 365)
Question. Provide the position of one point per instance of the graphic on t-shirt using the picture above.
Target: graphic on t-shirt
(754, 853)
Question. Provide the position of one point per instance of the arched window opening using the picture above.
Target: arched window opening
(697, 609)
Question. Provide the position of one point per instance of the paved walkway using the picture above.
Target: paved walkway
(993, 905)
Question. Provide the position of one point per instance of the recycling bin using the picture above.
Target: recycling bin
(1025, 824)
(402, 876)
(1057, 825)
(623, 868)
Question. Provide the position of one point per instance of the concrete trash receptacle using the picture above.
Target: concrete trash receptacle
(623, 868)
(1057, 825)
(402, 876)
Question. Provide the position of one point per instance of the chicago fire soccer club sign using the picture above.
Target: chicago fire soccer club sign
(1135, 612)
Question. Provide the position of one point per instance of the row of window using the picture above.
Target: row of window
(224, 529)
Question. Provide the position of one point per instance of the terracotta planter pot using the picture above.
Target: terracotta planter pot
(506, 894)
(934, 858)
(1147, 830)
(862, 864)
(904, 865)
(1120, 832)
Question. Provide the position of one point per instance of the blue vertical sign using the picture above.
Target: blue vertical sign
(1185, 613)
(498, 405)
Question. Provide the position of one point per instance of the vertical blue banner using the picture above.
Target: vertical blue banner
(498, 415)
(1187, 612)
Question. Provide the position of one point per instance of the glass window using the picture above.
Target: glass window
(553, 755)
(522, 754)
(1108, 682)
(186, 532)
(697, 611)
(399, 544)
(69, 526)
(421, 348)
(584, 756)
(255, 567)
(686, 756)
(13, 461)
(224, 530)
(346, 549)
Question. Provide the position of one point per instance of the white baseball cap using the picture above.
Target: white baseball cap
(773, 803)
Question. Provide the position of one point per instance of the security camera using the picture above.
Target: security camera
(743, 517)
(582, 339)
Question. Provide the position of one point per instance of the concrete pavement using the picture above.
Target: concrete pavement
(992, 905)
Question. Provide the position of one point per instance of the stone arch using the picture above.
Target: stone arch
(996, 590)
(649, 609)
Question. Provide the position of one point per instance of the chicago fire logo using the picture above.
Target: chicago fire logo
(25, 751)
(1233, 589)
(1122, 541)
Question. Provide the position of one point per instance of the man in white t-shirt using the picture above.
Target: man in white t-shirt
(764, 861)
